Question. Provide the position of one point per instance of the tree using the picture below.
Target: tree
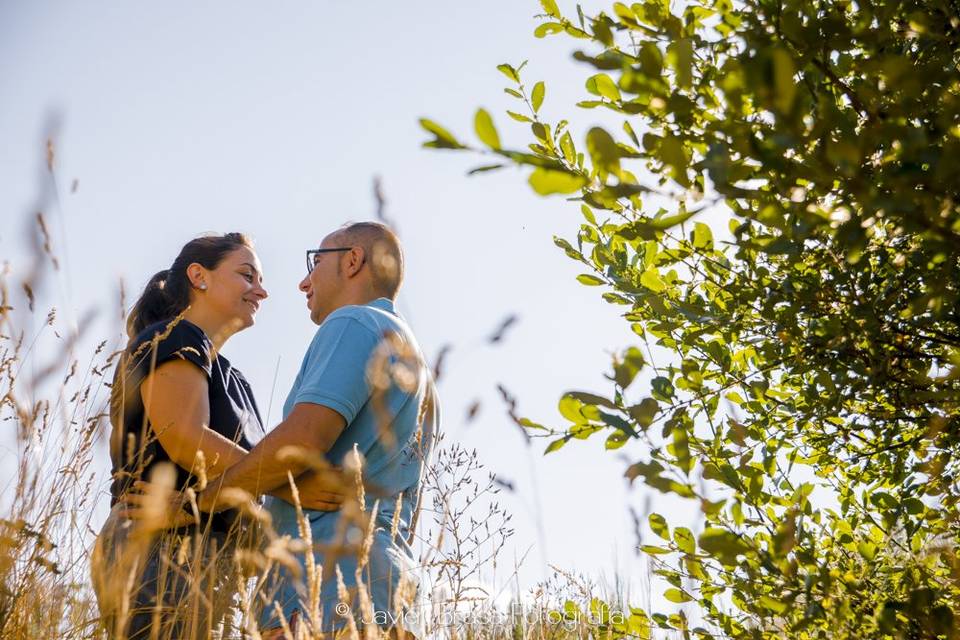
(825, 334)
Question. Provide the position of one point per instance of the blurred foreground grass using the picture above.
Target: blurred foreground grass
(54, 409)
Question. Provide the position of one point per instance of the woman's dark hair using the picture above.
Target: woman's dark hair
(168, 292)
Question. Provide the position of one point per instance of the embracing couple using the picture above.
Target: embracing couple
(179, 407)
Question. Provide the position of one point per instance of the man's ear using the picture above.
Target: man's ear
(355, 259)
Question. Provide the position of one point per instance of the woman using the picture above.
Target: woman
(180, 409)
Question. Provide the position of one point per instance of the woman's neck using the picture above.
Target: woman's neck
(217, 331)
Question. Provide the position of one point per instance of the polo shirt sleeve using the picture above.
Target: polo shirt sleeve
(335, 369)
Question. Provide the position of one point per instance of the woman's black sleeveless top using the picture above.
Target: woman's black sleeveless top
(134, 449)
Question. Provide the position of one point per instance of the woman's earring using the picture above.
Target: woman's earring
(203, 286)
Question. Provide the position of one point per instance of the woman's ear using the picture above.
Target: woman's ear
(197, 276)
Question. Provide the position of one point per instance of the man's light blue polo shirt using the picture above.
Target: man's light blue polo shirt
(334, 374)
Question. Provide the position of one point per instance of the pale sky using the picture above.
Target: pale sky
(179, 118)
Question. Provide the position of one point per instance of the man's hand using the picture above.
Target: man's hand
(155, 507)
(318, 490)
(310, 427)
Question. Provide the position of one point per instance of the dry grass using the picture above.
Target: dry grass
(55, 408)
(47, 536)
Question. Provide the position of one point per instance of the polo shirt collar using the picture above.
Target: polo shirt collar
(384, 304)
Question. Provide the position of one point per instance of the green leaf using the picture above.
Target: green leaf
(676, 595)
(638, 624)
(444, 139)
(548, 28)
(680, 57)
(684, 539)
(775, 605)
(649, 470)
(784, 85)
(485, 168)
(569, 408)
(658, 524)
(537, 95)
(568, 248)
(645, 412)
(584, 431)
(603, 150)
(568, 148)
(509, 71)
(668, 222)
(651, 60)
(722, 544)
(914, 506)
(534, 160)
(541, 131)
(590, 280)
(602, 31)
(627, 366)
(555, 445)
(530, 424)
(547, 181)
(681, 448)
(587, 211)
(673, 155)
(651, 280)
(485, 129)
(519, 117)
(591, 104)
(603, 85)
(550, 6)
(624, 13)
(591, 399)
(701, 237)
(654, 550)
(662, 387)
(647, 229)
(630, 132)
(616, 440)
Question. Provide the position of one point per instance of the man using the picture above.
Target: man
(363, 386)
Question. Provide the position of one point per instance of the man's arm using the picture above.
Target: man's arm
(311, 427)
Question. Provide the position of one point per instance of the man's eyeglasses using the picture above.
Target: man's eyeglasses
(313, 253)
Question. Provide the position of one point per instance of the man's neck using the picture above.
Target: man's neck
(363, 297)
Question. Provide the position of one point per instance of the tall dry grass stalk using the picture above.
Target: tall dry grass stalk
(54, 411)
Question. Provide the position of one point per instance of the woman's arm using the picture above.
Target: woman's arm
(175, 398)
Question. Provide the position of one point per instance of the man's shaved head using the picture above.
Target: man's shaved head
(381, 247)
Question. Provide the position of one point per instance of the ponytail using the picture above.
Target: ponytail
(153, 305)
